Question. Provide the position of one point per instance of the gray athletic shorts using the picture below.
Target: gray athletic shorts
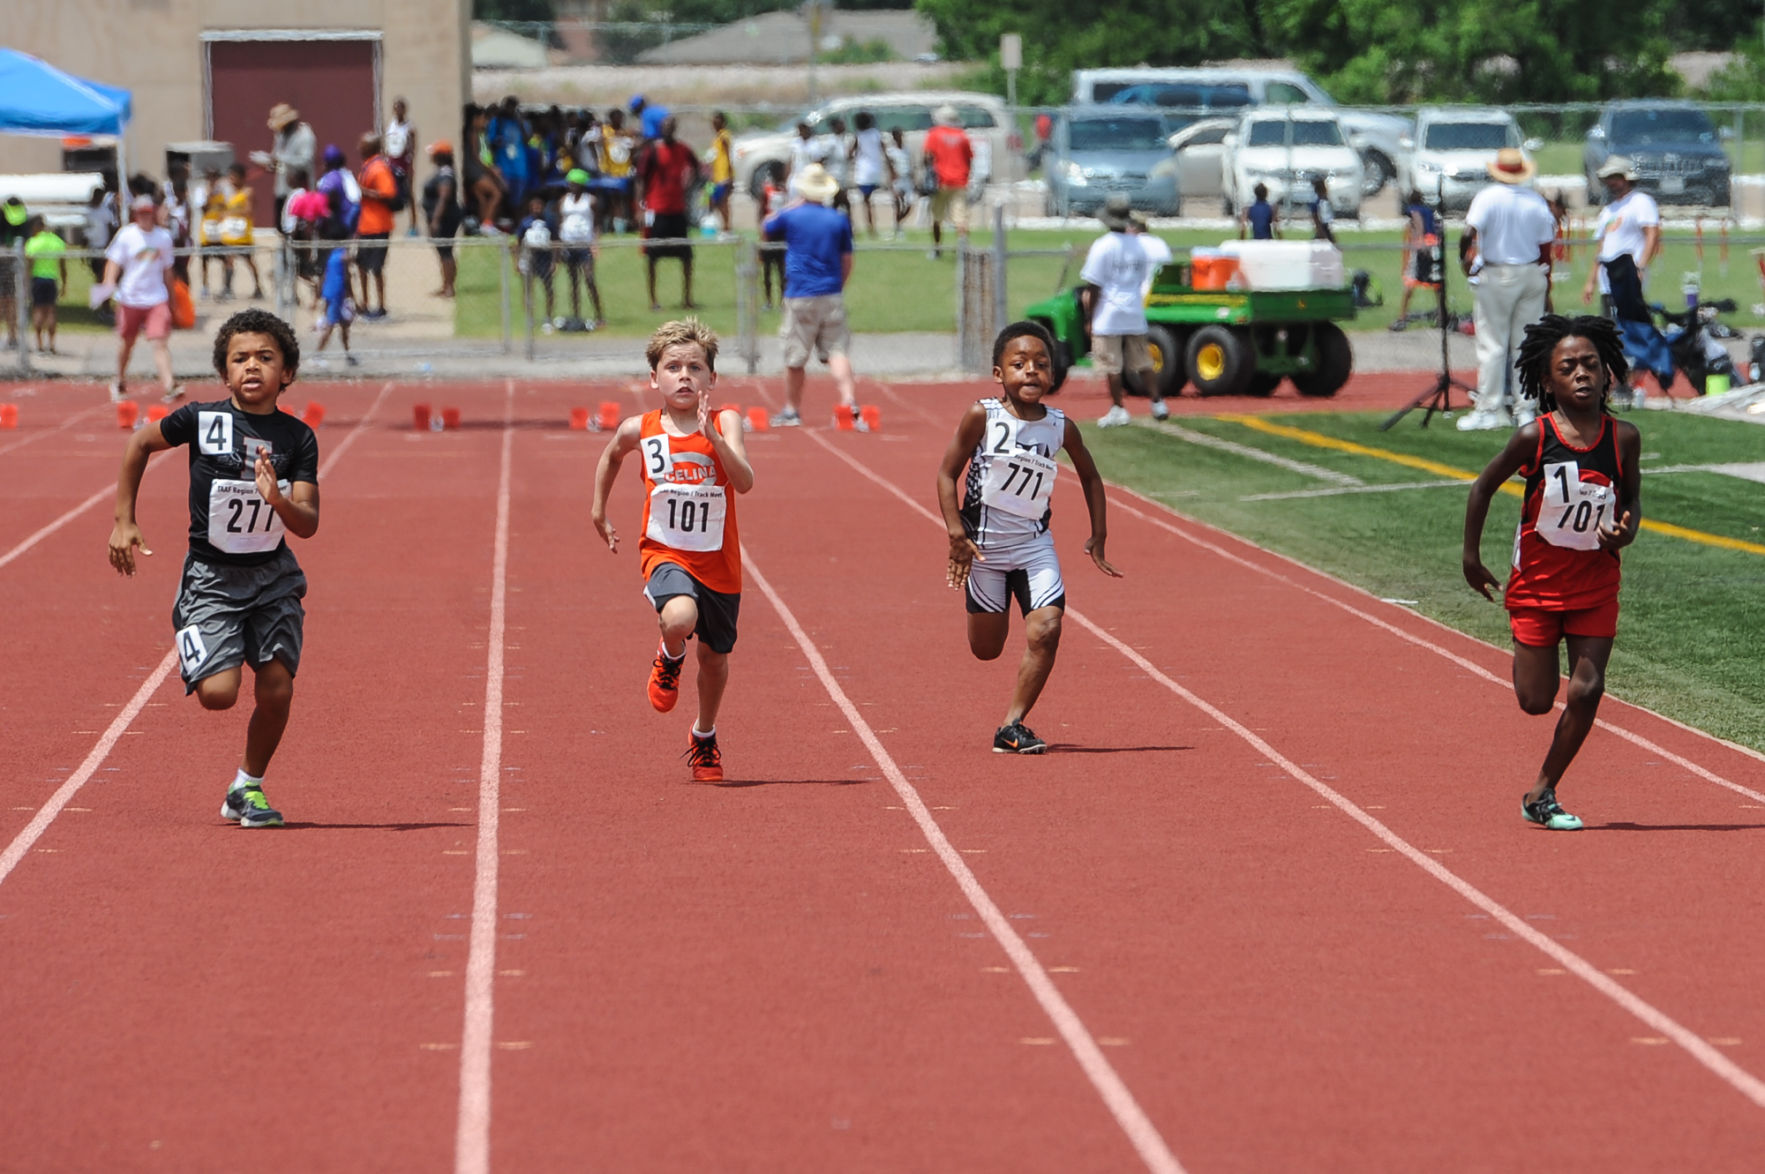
(1030, 575)
(717, 610)
(226, 616)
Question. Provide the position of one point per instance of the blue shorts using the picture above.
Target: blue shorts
(720, 192)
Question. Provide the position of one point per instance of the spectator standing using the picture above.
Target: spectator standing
(441, 212)
(1322, 215)
(535, 243)
(1258, 221)
(400, 145)
(722, 167)
(337, 297)
(771, 252)
(1511, 229)
(379, 185)
(667, 169)
(1421, 250)
(618, 154)
(343, 204)
(236, 235)
(484, 190)
(649, 118)
(576, 219)
(817, 265)
(294, 146)
(838, 160)
(901, 167)
(870, 165)
(208, 234)
(1116, 274)
(46, 253)
(949, 156)
(138, 266)
(13, 218)
(507, 134)
(1629, 234)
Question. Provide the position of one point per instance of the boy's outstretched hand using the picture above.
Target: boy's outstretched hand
(1478, 576)
(1094, 548)
(608, 535)
(963, 555)
(124, 538)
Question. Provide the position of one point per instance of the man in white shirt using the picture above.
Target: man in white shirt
(1117, 272)
(1629, 233)
(1511, 229)
(138, 266)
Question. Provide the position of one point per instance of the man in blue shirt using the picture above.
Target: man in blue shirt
(817, 262)
(649, 118)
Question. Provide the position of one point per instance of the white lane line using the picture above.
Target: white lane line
(1465, 663)
(107, 741)
(1249, 452)
(76, 418)
(472, 1131)
(1133, 1121)
(1701, 1051)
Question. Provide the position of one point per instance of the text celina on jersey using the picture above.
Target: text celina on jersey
(1011, 477)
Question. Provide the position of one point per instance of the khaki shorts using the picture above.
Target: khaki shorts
(1110, 353)
(950, 206)
(814, 324)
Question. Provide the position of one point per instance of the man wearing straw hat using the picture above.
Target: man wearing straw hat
(1117, 273)
(1511, 228)
(294, 149)
(817, 262)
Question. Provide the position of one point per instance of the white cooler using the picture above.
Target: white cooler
(1307, 264)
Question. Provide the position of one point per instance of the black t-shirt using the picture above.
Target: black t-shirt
(229, 521)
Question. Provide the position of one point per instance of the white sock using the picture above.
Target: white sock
(243, 780)
(663, 648)
(701, 735)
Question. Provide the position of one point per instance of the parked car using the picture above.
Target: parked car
(1198, 158)
(1185, 102)
(767, 154)
(1104, 151)
(1453, 149)
(1378, 137)
(1285, 150)
(1674, 148)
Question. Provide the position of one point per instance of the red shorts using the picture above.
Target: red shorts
(156, 319)
(1543, 627)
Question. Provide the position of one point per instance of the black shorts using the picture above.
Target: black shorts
(44, 291)
(372, 258)
(668, 226)
(717, 611)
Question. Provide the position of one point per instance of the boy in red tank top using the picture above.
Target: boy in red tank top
(1583, 502)
(693, 463)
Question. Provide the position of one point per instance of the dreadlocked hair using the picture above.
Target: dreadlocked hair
(1542, 338)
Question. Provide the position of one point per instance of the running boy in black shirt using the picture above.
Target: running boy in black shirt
(254, 474)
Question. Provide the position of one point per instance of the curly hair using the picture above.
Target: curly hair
(1542, 338)
(682, 330)
(1024, 329)
(256, 322)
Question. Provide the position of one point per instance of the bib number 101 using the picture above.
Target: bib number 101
(689, 517)
(1572, 509)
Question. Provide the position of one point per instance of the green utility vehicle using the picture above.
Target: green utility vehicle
(1223, 341)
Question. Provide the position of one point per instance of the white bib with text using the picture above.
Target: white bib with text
(240, 521)
(1572, 510)
(687, 517)
(1020, 482)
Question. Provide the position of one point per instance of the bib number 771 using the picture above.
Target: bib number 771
(1020, 482)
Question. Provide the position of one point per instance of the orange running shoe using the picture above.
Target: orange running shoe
(706, 759)
(665, 681)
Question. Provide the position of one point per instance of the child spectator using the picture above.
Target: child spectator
(1322, 215)
(1258, 220)
(694, 462)
(771, 252)
(254, 478)
(14, 216)
(338, 300)
(1421, 250)
(722, 159)
(400, 142)
(441, 210)
(1000, 547)
(236, 236)
(901, 168)
(46, 253)
(870, 164)
(534, 242)
(208, 234)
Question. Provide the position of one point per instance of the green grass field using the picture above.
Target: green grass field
(1693, 614)
(896, 287)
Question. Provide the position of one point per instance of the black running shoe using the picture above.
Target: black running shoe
(250, 809)
(1018, 738)
(1548, 813)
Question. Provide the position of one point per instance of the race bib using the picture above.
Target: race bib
(1020, 482)
(235, 228)
(687, 517)
(214, 433)
(1572, 510)
(240, 521)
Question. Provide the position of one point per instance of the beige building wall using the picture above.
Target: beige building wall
(155, 49)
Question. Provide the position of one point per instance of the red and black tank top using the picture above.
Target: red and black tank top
(1570, 493)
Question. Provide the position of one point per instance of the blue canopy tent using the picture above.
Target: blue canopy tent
(38, 99)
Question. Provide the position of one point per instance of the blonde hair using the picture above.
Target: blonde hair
(682, 330)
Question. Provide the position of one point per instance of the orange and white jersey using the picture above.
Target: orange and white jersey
(689, 508)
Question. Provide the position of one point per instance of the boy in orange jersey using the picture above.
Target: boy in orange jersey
(690, 552)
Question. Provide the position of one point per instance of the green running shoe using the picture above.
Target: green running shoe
(247, 807)
(1548, 813)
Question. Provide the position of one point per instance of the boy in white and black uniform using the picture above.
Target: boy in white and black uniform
(254, 473)
(1000, 547)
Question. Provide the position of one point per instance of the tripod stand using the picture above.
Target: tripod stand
(1438, 397)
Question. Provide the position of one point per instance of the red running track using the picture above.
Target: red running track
(1252, 914)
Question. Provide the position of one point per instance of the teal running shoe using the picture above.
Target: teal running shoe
(1548, 813)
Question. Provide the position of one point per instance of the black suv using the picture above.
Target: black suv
(1674, 148)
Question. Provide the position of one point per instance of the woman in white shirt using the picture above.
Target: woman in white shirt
(870, 166)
